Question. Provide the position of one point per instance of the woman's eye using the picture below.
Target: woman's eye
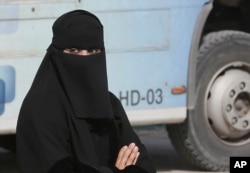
(94, 51)
(74, 50)
(82, 52)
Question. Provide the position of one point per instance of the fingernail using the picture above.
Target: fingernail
(132, 145)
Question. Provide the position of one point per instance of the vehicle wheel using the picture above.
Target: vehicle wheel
(219, 125)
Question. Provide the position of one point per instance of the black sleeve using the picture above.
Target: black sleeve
(127, 136)
(69, 165)
(65, 165)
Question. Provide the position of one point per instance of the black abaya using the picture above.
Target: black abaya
(69, 122)
(51, 145)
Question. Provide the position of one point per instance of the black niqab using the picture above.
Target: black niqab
(84, 78)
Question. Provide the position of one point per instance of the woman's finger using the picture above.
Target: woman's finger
(131, 159)
(132, 156)
(126, 156)
(136, 158)
(120, 157)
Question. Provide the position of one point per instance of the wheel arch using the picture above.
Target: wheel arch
(216, 15)
(196, 38)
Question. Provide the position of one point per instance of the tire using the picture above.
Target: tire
(219, 125)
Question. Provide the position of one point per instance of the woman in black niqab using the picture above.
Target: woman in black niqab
(69, 122)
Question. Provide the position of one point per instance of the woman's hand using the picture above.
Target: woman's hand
(127, 155)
